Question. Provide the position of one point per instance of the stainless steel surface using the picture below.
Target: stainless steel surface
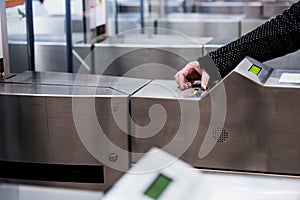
(117, 55)
(82, 58)
(155, 6)
(67, 80)
(155, 40)
(250, 9)
(203, 25)
(273, 8)
(289, 61)
(261, 78)
(277, 78)
(198, 24)
(146, 56)
(50, 56)
(259, 132)
(18, 51)
(166, 89)
(39, 126)
(23, 192)
(48, 118)
(128, 22)
(249, 24)
(66, 91)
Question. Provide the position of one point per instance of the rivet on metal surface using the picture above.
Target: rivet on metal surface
(113, 157)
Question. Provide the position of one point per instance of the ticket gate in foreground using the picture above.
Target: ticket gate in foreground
(249, 121)
(161, 176)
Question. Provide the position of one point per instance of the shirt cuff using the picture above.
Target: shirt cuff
(210, 67)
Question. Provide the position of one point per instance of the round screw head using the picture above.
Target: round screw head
(113, 157)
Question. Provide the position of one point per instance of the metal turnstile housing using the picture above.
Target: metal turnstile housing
(247, 122)
(146, 56)
(65, 123)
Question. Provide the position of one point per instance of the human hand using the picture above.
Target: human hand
(189, 73)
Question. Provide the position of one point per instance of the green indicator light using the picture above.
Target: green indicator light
(158, 186)
(254, 69)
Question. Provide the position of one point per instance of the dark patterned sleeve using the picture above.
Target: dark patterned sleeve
(277, 37)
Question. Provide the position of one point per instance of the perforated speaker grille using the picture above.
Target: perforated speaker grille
(220, 135)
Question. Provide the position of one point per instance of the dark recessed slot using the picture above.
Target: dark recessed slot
(52, 172)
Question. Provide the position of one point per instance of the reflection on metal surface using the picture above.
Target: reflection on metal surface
(250, 9)
(146, 56)
(122, 84)
(248, 128)
(203, 25)
(49, 56)
(38, 124)
(258, 134)
(172, 50)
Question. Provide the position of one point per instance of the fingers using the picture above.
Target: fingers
(191, 71)
(196, 66)
(180, 80)
(181, 76)
(204, 79)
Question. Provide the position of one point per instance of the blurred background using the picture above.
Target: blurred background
(88, 35)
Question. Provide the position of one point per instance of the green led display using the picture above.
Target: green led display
(254, 69)
(158, 186)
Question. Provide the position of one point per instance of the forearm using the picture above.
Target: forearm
(275, 38)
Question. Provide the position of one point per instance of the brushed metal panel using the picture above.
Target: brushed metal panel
(129, 22)
(134, 6)
(8, 89)
(20, 139)
(203, 25)
(65, 81)
(55, 78)
(271, 123)
(259, 135)
(64, 136)
(18, 56)
(289, 61)
(47, 123)
(146, 56)
(138, 63)
(50, 56)
(271, 9)
(84, 56)
(277, 78)
(250, 9)
(249, 24)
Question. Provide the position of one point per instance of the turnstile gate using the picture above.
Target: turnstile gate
(248, 122)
